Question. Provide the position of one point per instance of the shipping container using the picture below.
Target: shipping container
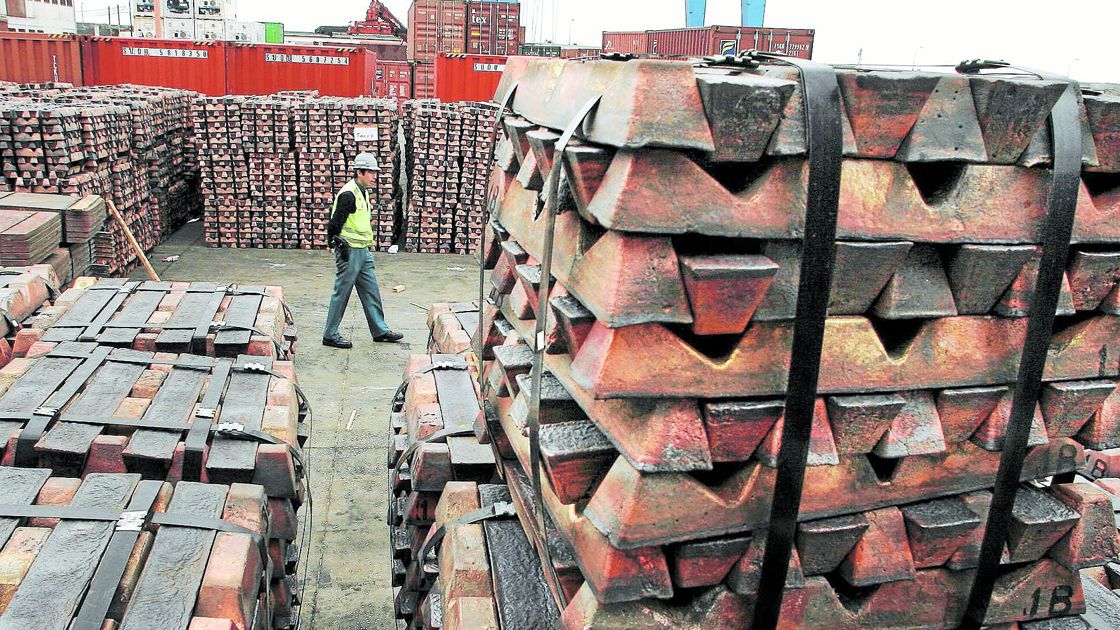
(177, 9)
(216, 9)
(493, 28)
(36, 58)
(144, 27)
(270, 68)
(468, 77)
(245, 32)
(436, 26)
(423, 80)
(178, 28)
(576, 52)
(198, 66)
(393, 79)
(143, 8)
(539, 50)
(273, 33)
(630, 43)
(730, 40)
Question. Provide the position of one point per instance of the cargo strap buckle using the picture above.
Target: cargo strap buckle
(131, 521)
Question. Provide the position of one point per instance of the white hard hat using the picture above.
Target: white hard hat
(366, 162)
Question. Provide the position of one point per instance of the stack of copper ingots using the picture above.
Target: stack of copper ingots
(434, 170)
(158, 429)
(271, 165)
(125, 143)
(477, 120)
(671, 310)
(449, 146)
(431, 443)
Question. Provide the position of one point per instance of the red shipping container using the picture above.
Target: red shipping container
(270, 68)
(436, 26)
(630, 43)
(493, 28)
(33, 58)
(393, 80)
(468, 77)
(423, 80)
(577, 53)
(198, 66)
(729, 40)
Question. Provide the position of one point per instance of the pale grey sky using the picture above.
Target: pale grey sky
(1070, 36)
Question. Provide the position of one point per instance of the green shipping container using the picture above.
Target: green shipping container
(273, 33)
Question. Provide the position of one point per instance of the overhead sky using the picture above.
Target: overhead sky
(1076, 37)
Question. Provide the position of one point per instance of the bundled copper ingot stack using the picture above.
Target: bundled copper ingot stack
(124, 143)
(439, 395)
(212, 319)
(675, 274)
(448, 157)
(177, 577)
(452, 326)
(271, 166)
(168, 417)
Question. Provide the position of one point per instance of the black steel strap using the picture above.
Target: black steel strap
(398, 396)
(552, 207)
(195, 445)
(489, 513)
(442, 434)
(824, 133)
(40, 418)
(114, 562)
(1065, 124)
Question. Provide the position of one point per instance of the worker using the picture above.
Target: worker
(350, 235)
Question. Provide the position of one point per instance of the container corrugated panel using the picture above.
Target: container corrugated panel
(577, 53)
(198, 66)
(631, 43)
(493, 24)
(729, 40)
(468, 77)
(391, 50)
(436, 26)
(33, 58)
(270, 68)
(424, 80)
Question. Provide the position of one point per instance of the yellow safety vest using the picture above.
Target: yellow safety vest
(358, 230)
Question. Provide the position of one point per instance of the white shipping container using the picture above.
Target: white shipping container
(210, 29)
(143, 26)
(216, 9)
(142, 8)
(178, 28)
(248, 32)
(177, 9)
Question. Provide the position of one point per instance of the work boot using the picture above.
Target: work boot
(338, 342)
(389, 337)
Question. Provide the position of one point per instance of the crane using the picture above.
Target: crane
(753, 12)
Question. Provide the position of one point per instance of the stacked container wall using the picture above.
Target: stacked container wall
(34, 58)
(468, 77)
(210, 30)
(577, 53)
(194, 66)
(143, 7)
(269, 68)
(436, 26)
(179, 28)
(143, 26)
(630, 43)
(245, 32)
(215, 9)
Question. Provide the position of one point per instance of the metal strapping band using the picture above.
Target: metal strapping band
(1065, 123)
(442, 434)
(821, 95)
(551, 205)
(498, 510)
(398, 396)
